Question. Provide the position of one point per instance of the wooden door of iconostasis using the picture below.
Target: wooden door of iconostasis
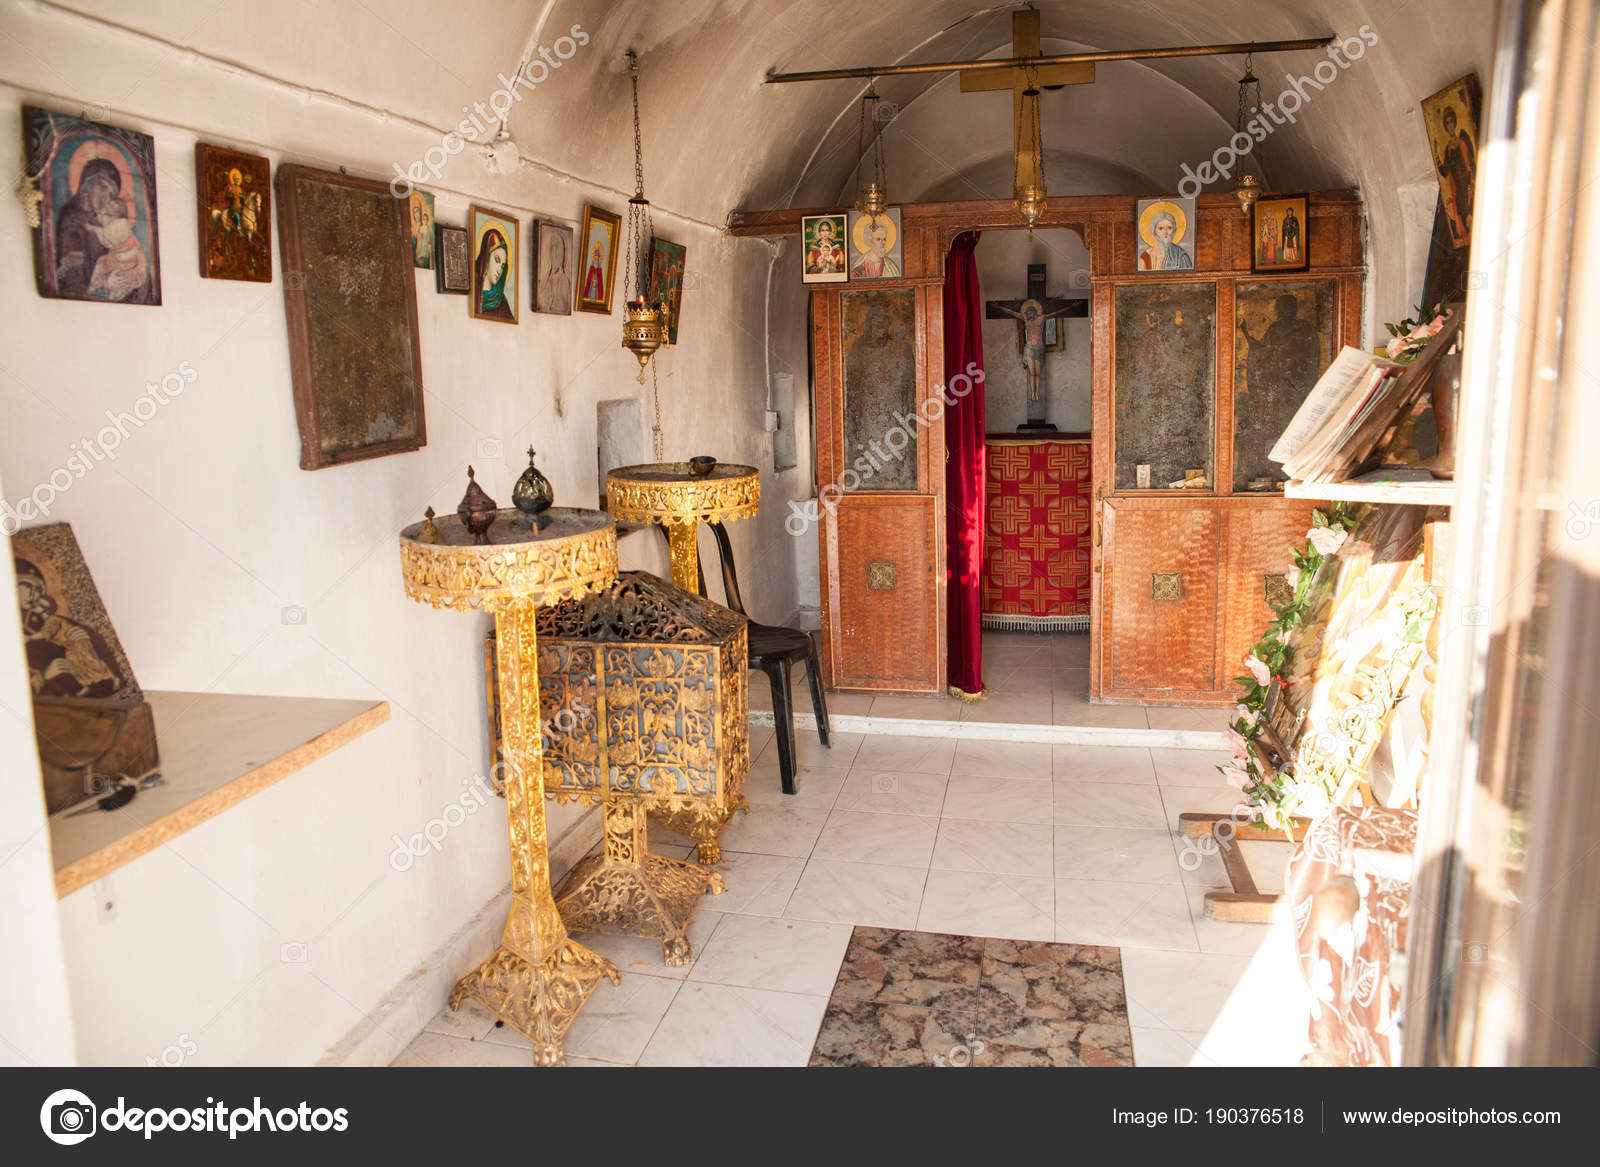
(1184, 378)
(878, 354)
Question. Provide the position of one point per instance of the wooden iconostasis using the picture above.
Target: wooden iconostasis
(1194, 370)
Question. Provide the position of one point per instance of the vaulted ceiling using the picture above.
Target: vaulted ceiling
(717, 139)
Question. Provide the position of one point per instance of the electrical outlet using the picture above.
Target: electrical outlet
(774, 420)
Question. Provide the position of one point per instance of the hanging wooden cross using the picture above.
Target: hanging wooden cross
(1032, 314)
(1028, 165)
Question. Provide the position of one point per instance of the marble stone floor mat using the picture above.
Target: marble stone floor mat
(907, 998)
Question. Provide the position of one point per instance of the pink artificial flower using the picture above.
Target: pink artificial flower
(1395, 348)
(1326, 540)
(1237, 777)
(1237, 745)
(1258, 670)
(1248, 716)
(1292, 578)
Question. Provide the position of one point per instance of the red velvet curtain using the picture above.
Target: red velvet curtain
(964, 466)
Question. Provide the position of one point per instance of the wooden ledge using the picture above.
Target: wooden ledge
(217, 749)
(1405, 485)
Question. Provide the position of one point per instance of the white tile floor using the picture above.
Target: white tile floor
(1033, 679)
(1009, 839)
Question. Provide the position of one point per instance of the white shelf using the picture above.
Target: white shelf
(1407, 485)
(217, 749)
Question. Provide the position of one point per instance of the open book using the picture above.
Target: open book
(1344, 419)
(1334, 400)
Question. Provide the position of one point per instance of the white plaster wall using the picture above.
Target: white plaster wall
(1003, 259)
(203, 530)
(35, 1013)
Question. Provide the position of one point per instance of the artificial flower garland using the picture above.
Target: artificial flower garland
(1320, 778)
(1413, 333)
(1274, 795)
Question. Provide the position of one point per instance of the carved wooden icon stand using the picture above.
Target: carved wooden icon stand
(1245, 904)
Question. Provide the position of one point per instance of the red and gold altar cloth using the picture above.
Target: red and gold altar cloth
(1036, 532)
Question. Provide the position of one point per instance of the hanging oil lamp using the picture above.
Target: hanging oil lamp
(1028, 191)
(643, 327)
(872, 198)
(1246, 186)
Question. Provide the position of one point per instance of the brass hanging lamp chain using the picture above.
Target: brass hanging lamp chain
(656, 442)
(643, 329)
(871, 193)
(861, 133)
(875, 129)
(638, 138)
(1248, 107)
(641, 224)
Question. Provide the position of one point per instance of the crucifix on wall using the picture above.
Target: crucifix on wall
(1033, 313)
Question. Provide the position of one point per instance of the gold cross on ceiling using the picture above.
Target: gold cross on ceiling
(1025, 107)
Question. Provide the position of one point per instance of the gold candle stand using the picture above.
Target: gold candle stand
(539, 978)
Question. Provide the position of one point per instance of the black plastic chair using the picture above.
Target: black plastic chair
(774, 651)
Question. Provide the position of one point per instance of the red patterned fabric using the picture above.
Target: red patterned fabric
(1036, 528)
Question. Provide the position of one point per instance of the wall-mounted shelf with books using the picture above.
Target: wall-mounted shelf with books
(1351, 416)
(1404, 485)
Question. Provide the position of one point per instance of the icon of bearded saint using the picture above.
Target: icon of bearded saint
(65, 658)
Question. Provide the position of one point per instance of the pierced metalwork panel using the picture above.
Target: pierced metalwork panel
(661, 721)
(569, 719)
(1166, 585)
(1277, 591)
(650, 702)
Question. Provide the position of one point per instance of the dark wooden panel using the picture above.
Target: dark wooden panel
(885, 593)
(1284, 334)
(879, 344)
(1257, 542)
(1164, 380)
(1163, 643)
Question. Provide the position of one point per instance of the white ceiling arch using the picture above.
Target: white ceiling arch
(717, 139)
